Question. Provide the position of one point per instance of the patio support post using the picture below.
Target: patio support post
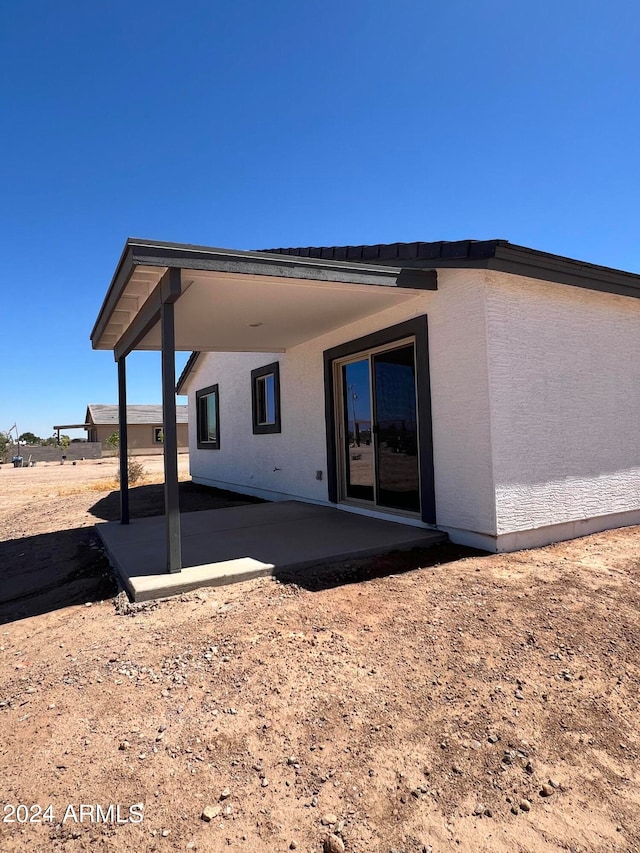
(123, 442)
(171, 288)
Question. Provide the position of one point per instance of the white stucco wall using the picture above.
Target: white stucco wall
(460, 410)
(564, 379)
(535, 410)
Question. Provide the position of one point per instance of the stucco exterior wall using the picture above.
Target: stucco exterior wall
(284, 465)
(564, 374)
(465, 505)
(140, 437)
(535, 410)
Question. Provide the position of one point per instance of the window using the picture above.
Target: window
(208, 413)
(265, 399)
(158, 435)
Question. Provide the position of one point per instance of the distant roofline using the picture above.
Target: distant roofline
(96, 413)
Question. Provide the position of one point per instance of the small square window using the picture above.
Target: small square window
(208, 414)
(265, 398)
(158, 435)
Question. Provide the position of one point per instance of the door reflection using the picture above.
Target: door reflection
(358, 447)
(396, 429)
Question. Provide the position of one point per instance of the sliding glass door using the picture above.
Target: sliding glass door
(378, 428)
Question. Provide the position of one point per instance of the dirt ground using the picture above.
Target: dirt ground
(417, 702)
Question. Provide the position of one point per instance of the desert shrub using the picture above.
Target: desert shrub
(135, 471)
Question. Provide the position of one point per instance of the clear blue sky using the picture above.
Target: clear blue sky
(252, 124)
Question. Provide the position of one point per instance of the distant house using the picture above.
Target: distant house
(145, 432)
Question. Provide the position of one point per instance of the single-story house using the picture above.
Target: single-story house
(144, 427)
(482, 388)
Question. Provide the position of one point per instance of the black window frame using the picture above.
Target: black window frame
(259, 373)
(157, 440)
(205, 392)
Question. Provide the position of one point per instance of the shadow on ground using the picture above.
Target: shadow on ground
(329, 575)
(42, 573)
(145, 501)
(39, 574)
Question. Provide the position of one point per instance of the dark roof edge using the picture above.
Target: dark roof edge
(143, 252)
(535, 264)
(191, 363)
(498, 255)
(400, 254)
(118, 280)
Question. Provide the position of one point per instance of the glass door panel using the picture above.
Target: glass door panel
(396, 429)
(358, 446)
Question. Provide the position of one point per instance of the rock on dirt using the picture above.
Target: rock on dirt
(333, 844)
(209, 813)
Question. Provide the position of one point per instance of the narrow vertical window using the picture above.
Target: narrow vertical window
(265, 397)
(208, 417)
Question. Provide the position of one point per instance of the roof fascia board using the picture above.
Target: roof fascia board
(118, 283)
(529, 263)
(533, 264)
(282, 266)
(187, 371)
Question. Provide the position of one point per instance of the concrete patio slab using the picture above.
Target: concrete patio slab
(221, 546)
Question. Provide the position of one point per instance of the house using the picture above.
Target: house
(483, 388)
(144, 427)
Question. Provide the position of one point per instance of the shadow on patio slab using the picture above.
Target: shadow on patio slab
(146, 501)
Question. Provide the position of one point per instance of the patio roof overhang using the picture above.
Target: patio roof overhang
(233, 301)
(169, 296)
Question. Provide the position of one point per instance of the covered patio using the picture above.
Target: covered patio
(171, 297)
(221, 546)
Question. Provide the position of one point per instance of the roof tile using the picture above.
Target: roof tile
(101, 414)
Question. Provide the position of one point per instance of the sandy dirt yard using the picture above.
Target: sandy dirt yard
(431, 701)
